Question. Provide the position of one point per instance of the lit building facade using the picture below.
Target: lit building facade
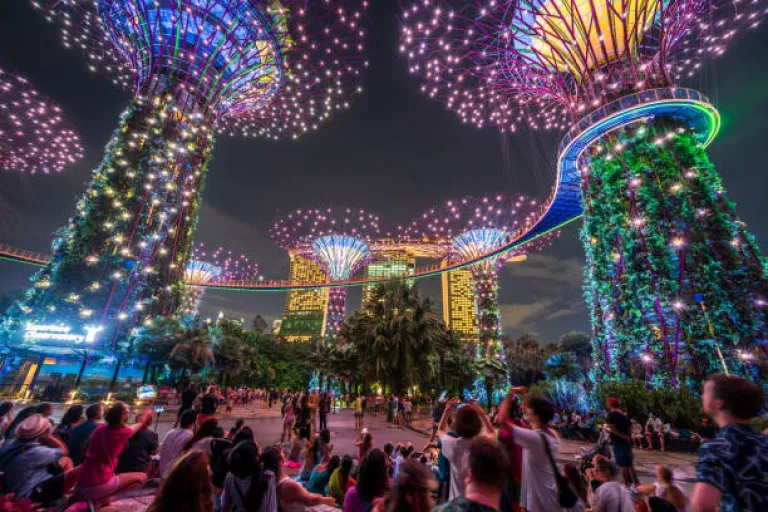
(393, 266)
(459, 308)
(304, 317)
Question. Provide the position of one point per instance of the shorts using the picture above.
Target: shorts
(622, 455)
(48, 491)
(98, 492)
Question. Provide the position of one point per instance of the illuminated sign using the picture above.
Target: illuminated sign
(146, 392)
(60, 333)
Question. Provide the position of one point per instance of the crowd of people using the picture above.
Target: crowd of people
(502, 461)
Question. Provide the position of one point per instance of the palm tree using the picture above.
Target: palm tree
(192, 350)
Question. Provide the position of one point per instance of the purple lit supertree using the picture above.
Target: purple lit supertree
(271, 69)
(34, 135)
(205, 268)
(479, 226)
(338, 239)
(675, 283)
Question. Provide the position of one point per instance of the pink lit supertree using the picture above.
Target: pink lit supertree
(34, 135)
(338, 239)
(674, 281)
(206, 267)
(196, 68)
(474, 227)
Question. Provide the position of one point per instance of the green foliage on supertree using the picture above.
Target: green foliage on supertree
(674, 282)
(121, 257)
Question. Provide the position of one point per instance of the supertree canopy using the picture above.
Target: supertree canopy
(257, 68)
(675, 283)
(475, 227)
(338, 239)
(34, 136)
(205, 268)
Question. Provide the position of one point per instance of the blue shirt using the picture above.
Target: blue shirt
(29, 468)
(78, 438)
(736, 462)
(318, 481)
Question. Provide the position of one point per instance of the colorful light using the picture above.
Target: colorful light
(34, 136)
(338, 239)
(254, 68)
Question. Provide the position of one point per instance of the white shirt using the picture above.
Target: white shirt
(613, 497)
(538, 492)
(456, 450)
(171, 448)
(653, 424)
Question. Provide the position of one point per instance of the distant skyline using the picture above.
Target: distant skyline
(394, 153)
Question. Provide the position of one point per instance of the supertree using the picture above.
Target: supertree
(476, 227)
(674, 281)
(255, 68)
(34, 135)
(205, 268)
(338, 239)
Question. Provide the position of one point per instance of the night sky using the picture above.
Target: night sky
(395, 153)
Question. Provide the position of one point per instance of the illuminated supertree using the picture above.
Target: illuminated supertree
(34, 136)
(476, 227)
(204, 268)
(271, 69)
(674, 281)
(338, 239)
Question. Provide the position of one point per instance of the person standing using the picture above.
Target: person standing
(187, 401)
(484, 480)
(208, 405)
(174, 441)
(323, 408)
(732, 468)
(621, 441)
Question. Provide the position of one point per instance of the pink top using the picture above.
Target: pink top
(101, 458)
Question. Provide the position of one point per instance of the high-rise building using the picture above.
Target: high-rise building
(459, 308)
(304, 316)
(393, 266)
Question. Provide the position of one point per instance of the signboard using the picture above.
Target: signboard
(59, 334)
(146, 392)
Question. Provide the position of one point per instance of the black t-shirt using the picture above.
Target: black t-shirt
(437, 414)
(187, 399)
(620, 423)
(208, 404)
(138, 453)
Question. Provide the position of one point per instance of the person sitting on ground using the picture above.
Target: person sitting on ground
(69, 421)
(469, 422)
(81, 434)
(187, 487)
(486, 463)
(175, 440)
(44, 409)
(309, 461)
(324, 446)
(341, 480)
(296, 449)
(364, 445)
(291, 495)
(732, 468)
(411, 490)
(236, 428)
(372, 483)
(35, 465)
(247, 487)
(221, 449)
(608, 495)
(665, 487)
(96, 480)
(141, 447)
(204, 436)
(572, 473)
(321, 474)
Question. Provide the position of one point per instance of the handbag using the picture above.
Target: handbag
(565, 494)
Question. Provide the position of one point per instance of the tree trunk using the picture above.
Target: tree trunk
(114, 376)
(82, 370)
(146, 372)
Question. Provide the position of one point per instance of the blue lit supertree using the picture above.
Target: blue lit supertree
(206, 267)
(479, 226)
(338, 239)
(271, 69)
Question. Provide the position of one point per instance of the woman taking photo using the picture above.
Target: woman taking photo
(291, 496)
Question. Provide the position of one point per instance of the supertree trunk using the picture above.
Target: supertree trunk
(674, 281)
(122, 255)
(337, 304)
(486, 282)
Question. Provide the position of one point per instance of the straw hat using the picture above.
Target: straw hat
(32, 427)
